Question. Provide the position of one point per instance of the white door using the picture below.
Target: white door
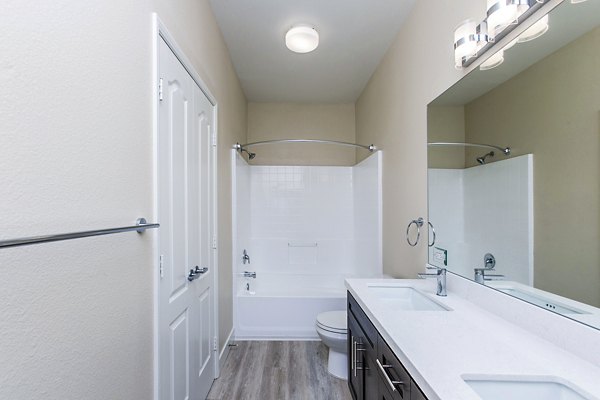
(185, 151)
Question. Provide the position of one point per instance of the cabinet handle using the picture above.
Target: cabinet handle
(352, 352)
(354, 356)
(392, 384)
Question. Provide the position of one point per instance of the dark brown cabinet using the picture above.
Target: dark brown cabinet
(374, 371)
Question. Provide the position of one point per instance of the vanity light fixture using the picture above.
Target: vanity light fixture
(496, 59)
(302, 39)
(500, 14)
(467, 41)
(535, 31)
(493, 61)
(472, 40)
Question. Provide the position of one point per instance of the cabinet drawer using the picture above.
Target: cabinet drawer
(393, 375)
(365, 324)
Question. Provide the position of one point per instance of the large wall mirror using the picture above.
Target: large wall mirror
(525, 223)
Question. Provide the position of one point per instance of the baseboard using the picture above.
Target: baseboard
(277, 338)
(225, 350)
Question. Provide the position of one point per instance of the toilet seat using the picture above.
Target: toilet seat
(333, 321)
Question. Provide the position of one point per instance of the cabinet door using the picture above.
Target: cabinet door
(355, 374)
(371, 377)
(392, 374)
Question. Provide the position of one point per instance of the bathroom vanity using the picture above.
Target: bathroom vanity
(374, 372)
(404, 342)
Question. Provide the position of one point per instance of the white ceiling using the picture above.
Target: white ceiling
(354, 36)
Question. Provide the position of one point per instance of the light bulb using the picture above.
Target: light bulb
(465, 43)
(493, 61)
(500, 14)
(535, 31)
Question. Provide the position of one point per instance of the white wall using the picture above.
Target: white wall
(76, 153)
(446, 211)
(367, 188)
(313, 220)
(301, 219)
(496, 198)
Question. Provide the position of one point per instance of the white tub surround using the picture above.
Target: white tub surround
(305, 230)
(461, 202)
(486, 333)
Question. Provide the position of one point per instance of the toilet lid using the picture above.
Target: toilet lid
(333, 320)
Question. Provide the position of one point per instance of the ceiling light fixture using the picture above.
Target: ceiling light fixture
(302, 39)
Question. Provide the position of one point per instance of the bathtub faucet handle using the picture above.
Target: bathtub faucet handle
(248, 274)
(245, 257)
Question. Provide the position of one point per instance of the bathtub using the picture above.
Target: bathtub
(284, 306)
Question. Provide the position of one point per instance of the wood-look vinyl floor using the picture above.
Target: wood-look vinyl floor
(260, 370)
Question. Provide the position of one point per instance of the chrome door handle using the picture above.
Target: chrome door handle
(200, 271)
(195, 273)
(191, 275)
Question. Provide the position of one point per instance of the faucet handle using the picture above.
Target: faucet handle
(489, 261)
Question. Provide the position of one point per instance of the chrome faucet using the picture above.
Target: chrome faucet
(441, 279)
(248, 274)
(489, 262)
(245, 257)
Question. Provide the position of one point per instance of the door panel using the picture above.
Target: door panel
(179, 357)
(186, 332)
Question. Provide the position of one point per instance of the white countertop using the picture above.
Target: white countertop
(437, 347)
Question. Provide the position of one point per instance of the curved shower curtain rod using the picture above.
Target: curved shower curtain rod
(243, 147)
(504, 150)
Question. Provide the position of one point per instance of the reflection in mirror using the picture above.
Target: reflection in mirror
(527, 224)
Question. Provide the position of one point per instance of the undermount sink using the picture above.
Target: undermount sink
(544, 388)
(405, 298)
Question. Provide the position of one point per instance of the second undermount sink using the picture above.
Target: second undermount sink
(543, 388)
(405, 298)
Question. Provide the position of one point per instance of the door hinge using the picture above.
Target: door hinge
(160, 266)
(214, 242)
(214, 138)
(215, 345)
(160, 89)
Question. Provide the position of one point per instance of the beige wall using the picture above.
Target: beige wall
(392, 114)
(446, 124)
(552, 110)
(268, 121)
(76, 153)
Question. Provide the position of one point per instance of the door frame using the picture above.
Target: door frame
(160, 31)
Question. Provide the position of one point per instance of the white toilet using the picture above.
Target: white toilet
(332, 327)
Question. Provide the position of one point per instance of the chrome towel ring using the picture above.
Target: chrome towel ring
(419, 222)
(432, 230)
